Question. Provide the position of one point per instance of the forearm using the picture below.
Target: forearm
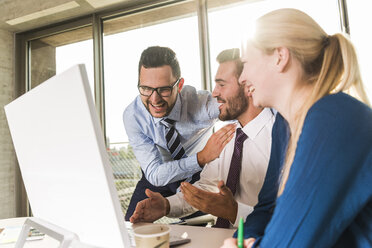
(153, 159)
(161, 174)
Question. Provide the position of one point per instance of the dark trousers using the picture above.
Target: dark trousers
(143, 184)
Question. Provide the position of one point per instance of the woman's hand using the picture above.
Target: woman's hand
(232, 243)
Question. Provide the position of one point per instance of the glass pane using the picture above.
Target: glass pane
(124, 40)
(234, 20)
(359, 14)
(55, 54)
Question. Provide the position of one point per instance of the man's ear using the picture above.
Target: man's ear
(283, 58)
(180, 84)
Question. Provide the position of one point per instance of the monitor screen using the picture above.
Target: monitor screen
(63, 161)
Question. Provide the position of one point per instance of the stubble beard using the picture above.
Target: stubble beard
(235, 106)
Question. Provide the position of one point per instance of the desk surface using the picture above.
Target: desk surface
(200, 236)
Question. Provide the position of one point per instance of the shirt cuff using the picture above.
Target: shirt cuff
(192, 163)
(175, 205)
(243, 211)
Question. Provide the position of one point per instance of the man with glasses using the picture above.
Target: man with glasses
(169, 126)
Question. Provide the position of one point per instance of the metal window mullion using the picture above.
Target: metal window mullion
(27, 85)
(28, 66)
(204, 44)
(344, 17)
(98, 71)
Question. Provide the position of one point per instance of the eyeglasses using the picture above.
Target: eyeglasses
(165, 91)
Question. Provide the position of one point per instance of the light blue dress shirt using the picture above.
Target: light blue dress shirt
(195, 113)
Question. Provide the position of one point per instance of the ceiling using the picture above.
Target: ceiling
(22, 15)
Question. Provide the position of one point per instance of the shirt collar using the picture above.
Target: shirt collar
(175, 114)
(253, 127)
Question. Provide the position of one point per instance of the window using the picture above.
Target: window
(76, 53)
(56, 53)
(359, 14)
(125, 37)
(230, 24)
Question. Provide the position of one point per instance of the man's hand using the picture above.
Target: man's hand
(232, 243)
(150, 209)
(215, 144)
(220, 204)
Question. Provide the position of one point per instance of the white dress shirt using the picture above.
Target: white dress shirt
(255, 159)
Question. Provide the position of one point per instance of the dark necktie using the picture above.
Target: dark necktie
(173, 140)
(234, 171)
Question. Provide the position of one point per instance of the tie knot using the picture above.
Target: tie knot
(240, 135)
(168, 122)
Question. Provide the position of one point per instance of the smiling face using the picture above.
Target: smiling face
(159, 77)
(259, 75)
(229, 93)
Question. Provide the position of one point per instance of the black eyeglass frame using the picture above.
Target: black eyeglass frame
(159, 88)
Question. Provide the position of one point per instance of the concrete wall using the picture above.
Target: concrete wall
(12, 195)
(7, 155)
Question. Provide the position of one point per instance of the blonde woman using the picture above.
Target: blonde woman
(324, 197)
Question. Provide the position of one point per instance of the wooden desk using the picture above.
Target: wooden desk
(200, 236)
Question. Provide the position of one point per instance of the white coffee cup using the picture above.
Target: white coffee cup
(154, 235)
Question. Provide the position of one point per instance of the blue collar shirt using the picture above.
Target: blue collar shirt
(195, 113)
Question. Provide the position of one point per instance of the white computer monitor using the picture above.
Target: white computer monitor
(63, 160)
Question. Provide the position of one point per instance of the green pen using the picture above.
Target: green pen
(241, 233)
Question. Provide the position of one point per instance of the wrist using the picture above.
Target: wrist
(167, 207)
(201, 159)
(233, 212)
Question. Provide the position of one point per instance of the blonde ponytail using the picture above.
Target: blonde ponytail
(339, 72)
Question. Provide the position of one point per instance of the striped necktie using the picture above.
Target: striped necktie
(234, 171)
(173, 140)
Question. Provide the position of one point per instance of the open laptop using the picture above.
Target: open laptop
(63, 160)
